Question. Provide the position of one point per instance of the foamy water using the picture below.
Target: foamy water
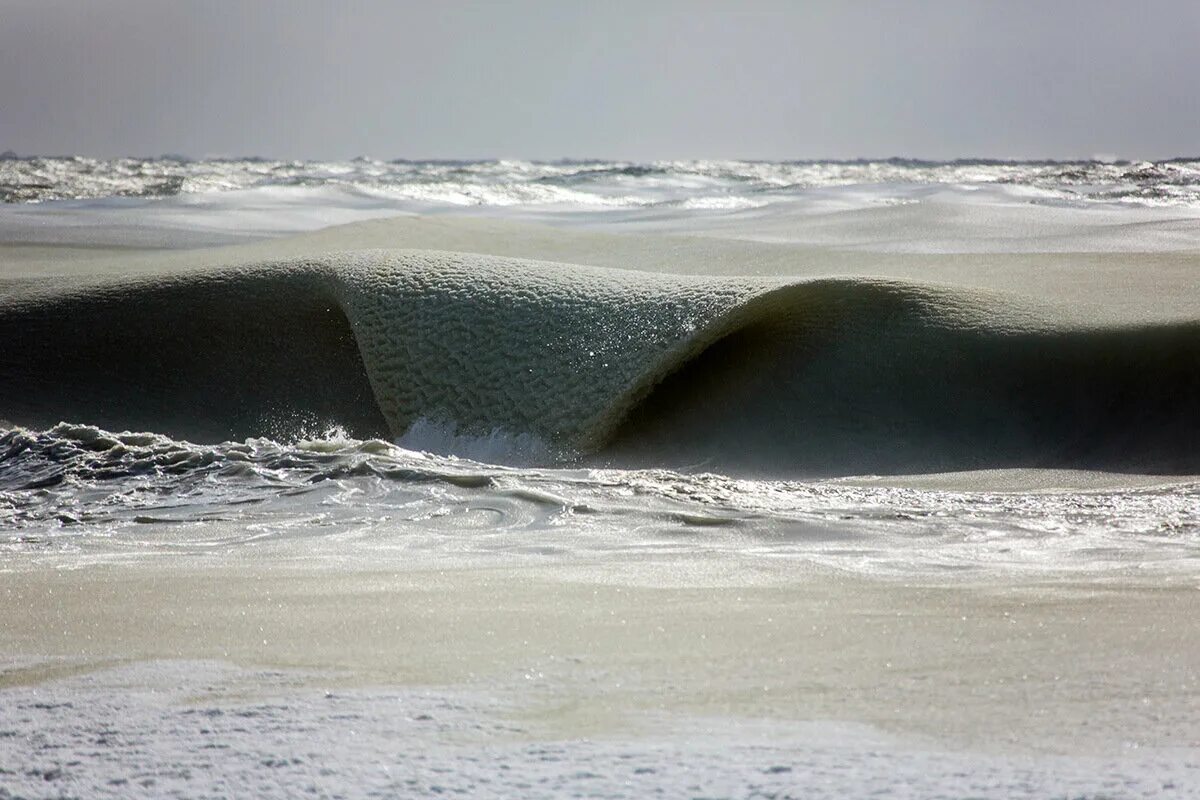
(78, 495)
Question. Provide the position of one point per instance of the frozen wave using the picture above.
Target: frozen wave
(769, 376)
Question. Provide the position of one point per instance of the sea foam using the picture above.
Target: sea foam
(496, 446)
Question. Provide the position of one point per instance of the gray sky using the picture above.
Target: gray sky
(637, 80)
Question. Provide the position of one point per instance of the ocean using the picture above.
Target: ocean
(882, 475)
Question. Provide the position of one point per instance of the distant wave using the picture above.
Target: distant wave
(827, 376)
(700, 183)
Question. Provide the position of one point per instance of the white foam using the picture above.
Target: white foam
(496, 446)
(338, 500)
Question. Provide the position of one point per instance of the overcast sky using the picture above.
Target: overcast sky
(635, 80)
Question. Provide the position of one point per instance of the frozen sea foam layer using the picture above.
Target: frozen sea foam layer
(187, 729)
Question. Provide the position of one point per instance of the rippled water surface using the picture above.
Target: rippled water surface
(89, 493)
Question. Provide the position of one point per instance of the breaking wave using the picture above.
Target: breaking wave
(501, 359)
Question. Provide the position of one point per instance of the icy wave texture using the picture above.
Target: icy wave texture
(744, 375)
(687, 184)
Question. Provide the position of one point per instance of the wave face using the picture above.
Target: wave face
(745, 375)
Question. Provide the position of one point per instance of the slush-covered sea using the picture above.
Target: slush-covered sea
(421, 433)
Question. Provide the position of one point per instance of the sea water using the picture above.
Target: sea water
(647, 393)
